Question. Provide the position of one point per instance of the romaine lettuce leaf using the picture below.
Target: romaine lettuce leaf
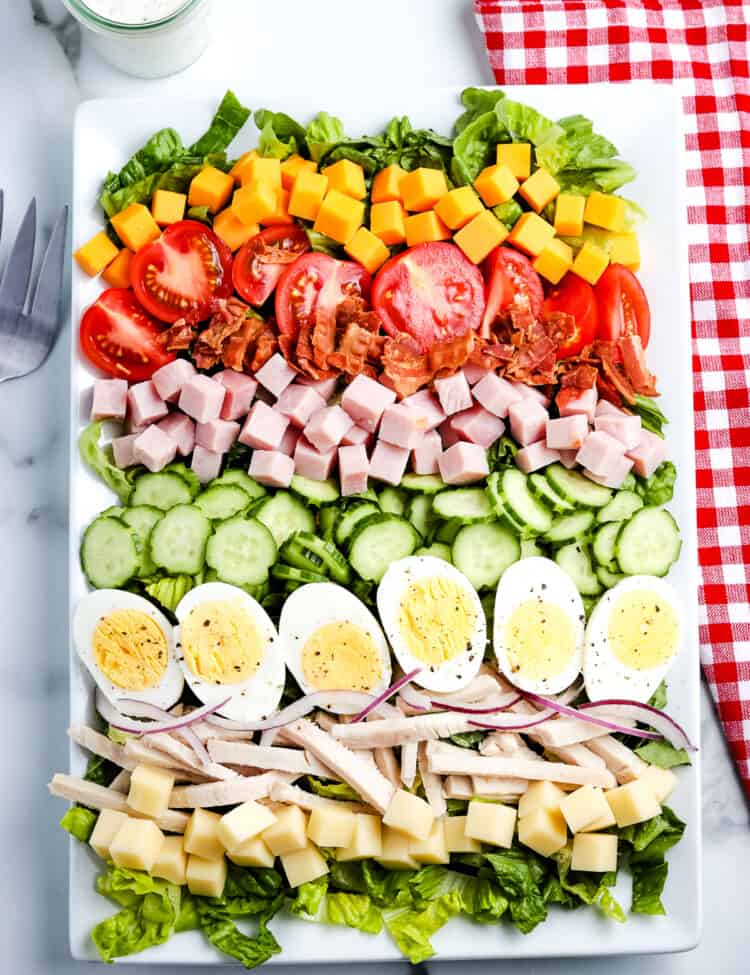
(332, 790)
(651, 415)
(280, 135)
(474, 146)
(79, 822)
(508, 213)
(309, 897)
(663, 754)
(100, 770)
(169, 590)
(324, 132)
(526, 124)
(648, 885)
(649, 843)
(150, 909)
(468, 739)
(483, 901)
(217, 925)
(659, 488)
(354, 911)
(155, 156)
(99, 460)
(476, 101)
(228, 119)
(412, 929)
(586, 888)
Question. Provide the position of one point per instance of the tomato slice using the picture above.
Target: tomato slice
(311, 289)
(260, 262)
(181, 273)
(573, 297)
(120, 338)
(512, 282)
(623, 305)
(432, 291)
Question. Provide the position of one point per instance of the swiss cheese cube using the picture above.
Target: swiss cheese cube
(422, 188)
(491, 822)
(150, 789)
(168, 207)
(540, 795)
(303, 865)
(254, 202)
(262, 169)
(368, 249)
(624, 249)
(531, 234)
(583, 807)
(555, 261)
(331, 827)
(135, 226)
(387, 221)
(543, 831)
(421, 228)
(432, 849)
(456, 840)
(281, 213)
(339, 216)
(594, 852)
(347, 177)
(288, 833)
(96, 254)
(232, 231)
(590, 263)
(458, 207)
(395, 853)
(136, 844)
(605, 210)
(117, 274)
(367, 840)
(307, 194)
(252, 853)
(243, 823)
(633, 803)
(236, 171)
(539, 189)
(171, 863)
(386, 185)
(496, 184)
(604, 821)
(569, 214)
(206, 878)
(202, 835)
(480, 236)
(292, 166)
(516, 156)
(211, 188)
(409, 814)
(661, 781)
(107, 826)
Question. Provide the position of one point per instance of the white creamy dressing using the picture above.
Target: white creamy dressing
(134, 11)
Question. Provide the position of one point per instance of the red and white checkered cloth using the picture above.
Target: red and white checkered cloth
(703, 48)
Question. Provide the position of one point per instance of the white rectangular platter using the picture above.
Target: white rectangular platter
(645, 122)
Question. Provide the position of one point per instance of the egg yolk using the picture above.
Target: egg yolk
(436, 620)
(130, 649)
(539, 640)
(341, 656)
(221, 642)
(643, 630)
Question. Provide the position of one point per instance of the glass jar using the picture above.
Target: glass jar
(167, 37)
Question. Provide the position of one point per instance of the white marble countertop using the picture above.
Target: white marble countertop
(435, 43)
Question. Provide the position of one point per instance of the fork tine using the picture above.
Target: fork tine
(15, 282)
(48, 295)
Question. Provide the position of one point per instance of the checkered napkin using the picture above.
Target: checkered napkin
(703, 47)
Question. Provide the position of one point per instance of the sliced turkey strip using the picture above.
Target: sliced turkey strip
(205, 731)
(577, 755)
(325, 720)
(492, 787)
(560, 731)
(402, 731)
(101, 746)
(433, 784)
(508, 743)
(264, 757)
(386, 761)
(409, 763)
(458, 787)
(183, 753)
(229, 793)
(620, 760)
(294, 796)
(121, 782)
(143, 754)
(100, 797)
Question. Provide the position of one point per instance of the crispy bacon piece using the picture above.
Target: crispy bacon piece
(266, 345)
(607, 351)
(405, 365)
(179, 336)
(634, 362)
(582, 375)
(446, 357)
(353, 351)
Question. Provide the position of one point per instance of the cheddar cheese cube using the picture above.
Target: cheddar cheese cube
(531, 234)
(496, 184)
(150, 789)
(594, 852)
(422, 188)
(339, 216)
(206, 878)
(307, 194)
(262, 169)
(590, 263)
(348, 178)
(409, 814)
(387, 222)
(554, 261)
(368, 249)
(107, 826)
(456, 840)
(202, 835)
(624, 249)
(117, 274)
(236, 171)
(211, 188)
(395, 854)
(516, 156)
(583, 807)
(540, 795)
(96, 254)
(243, 823)
(168, 207)
(328, 826)
(136, 844)
(569, 214)
(661, 781)
(232, 231)
(539, 189)
(605, 210)
(432, 849)
(288, 833)
(543, 831)
(633, 803)
(386, 185)
(367, 839)
(135, 226)
(458, 207)
(480, 236)
(171, 863)
(281, 214)
(253, 203)
(252, 853)
(491, 822)
(303, 866)
(292, 166)
(424, 227)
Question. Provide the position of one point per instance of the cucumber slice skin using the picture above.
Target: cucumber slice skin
(438, 550)
(189, 477)
(351, 517)
(447, 531)
(530, 548)
(178, 541)
(283, 514)
(109, 553)
(567, 528)
(142, 519)
(325, 552)
(234, 475)
(483, 552)
(622, 506)
(163, 490)
(420, 514)
(221, 501)
(328, 518)
(290, 573)
(295, 554)
(378, 541)
(391, 500)
(495, 494)
(605, 541)
(241, 550)
(542, 489)
(574, 559)
(423, 483)
(466, 505)
(518, 500)
(649, 543)
(576, 488)
(609, 579)
(315, 492)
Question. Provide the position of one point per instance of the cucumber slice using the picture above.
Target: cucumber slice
(649, 543)
(369, 495)
(291, 573)
(391, 500)
(315, 492)
(328, 518)
(576, 488)
(178, 541)
(575, 560)
(483, 552)
(189, 477)
(234, 475)
(608, 579)
(293, 553)
(447, 531)
(420, 514)
(283, 514)
(109, 553)
(379, 540)
(542, 489)
(222, 501)
(467, 505)
(241, 550)
(163, 491)
(499, 507)
(142, 519)
(570, 527)
(114, 512)
(534, 516)
(438, 550)
(604, 545)
(351, 517)
(424, 483)
(622, 506)
(530, 548)
(325, 553)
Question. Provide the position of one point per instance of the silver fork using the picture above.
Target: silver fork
(29, 328)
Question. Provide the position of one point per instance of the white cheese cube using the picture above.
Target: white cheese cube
(409, 814)
(206, 878)
(288, 833)
(633, 803)
(252, 853)
(331, 827)
(367, 839)
(243, 823)
(150, 789)
(171, 864)
(395, 853)
(136, 844)
(543, 831)
(456, 840)
(661, 781)
(490, 822)
(595, 852)
(202, 835)
(431, 850)
(583, 807)
(303, 865)
(107, 826)
(604, 821)
(540, 795)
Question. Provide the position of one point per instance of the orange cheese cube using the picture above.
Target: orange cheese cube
(117, 274)
(590, 263)
(554, 261)
(261, 170)
(339, 216)
(516, 156)
(232, 231)
(135, 226)
(496, 184)
(347, 177)
(211, 188)
(531, 234)
(387, 222)
(252, 204)
(458, 207)
(422, 188)
(368, 249)
(292, 167)
(605, 210)
(569, 214)
(424, 227)
(539, 190)
(236, 171)
(480, 236)
(168, 207)
(96, 254)
(386, 185)
(281, 214)
(623, 249)
(307, 194)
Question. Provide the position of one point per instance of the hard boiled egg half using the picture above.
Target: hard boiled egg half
(227, 646)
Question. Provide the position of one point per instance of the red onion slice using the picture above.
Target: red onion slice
(514, 722)
(320, 699)
(415, 699)
(667, 727)
(159, 720)
(188, 737)
(386, 694)
(546, 702)
(491, 706)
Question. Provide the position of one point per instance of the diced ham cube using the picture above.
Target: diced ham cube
(532, 392)
(616, 473)
(205, 464)
(353, 469)
(217, 435)
(275, 375)
(474, 373)
(264, 427)
(240, 390)
(454, 393)
(447, 434)
(600, 454)
(356, 435)
(402, 426)
(271, 467)
(463, 463)
(327, 427)
(649, 453)
(625, 428)
(535, 456)
(122, 450)
(365, 399)
(312, 463)
(478, 425)
(145, 404)
(202, 398)
(299, 403)
(132, 427)
(427, 405)
(567, 432)
(605, 408)
(528, 421)
(289, 440)
(572, 400)
(568, 458)
(181, 429)
(323, 387)
(388, 463)
(170, 379)
(154, 449)
(496, 394)
(426, 455)
(110, 399)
